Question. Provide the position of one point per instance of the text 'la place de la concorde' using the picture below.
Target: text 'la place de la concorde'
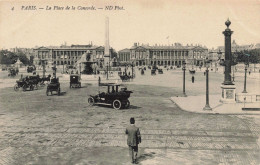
(59, 8)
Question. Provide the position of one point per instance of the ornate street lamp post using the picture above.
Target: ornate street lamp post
(54, 69)
(184, 68)
(244, 91)
(246, 64)
(43, 62)
(107, 70)
(133, 70)
(228, 88)
(207, 107)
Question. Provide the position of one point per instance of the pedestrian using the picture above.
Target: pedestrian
(204, 73)
(249, 72)
(192, 79)
(133, 139)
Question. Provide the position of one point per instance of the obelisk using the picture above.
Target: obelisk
(228, 88)
(107, 52)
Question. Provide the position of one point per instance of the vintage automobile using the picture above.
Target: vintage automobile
(160, 71)
(114, 97)
(75, 81)
(153, 72)
(54, 85)
(30, 69)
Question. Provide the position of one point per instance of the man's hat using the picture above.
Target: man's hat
(132, 120)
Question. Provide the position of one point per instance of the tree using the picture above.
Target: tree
(113, 53)
(23, 58)
(7, 57)
(254, 56)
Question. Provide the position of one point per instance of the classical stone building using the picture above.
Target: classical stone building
(124, 55)
(174, 55)
(68, 55)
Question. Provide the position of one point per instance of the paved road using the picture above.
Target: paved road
(64, 130)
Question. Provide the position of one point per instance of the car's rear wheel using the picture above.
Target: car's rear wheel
(16, 87)
(117, 104)
(91, 101)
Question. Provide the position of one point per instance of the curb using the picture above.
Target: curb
(214, 113)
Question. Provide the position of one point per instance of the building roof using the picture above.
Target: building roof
(168, 47)
(126, 50)
(75, 47)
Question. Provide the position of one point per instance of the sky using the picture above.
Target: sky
(142, 21)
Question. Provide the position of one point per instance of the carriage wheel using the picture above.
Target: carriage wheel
(16, 87)
(127, 104)
(31, 87)
(91, 101)
(117, 104)
(24, 87)
(58, 91)
(47, 92)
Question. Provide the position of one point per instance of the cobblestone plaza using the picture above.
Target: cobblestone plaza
(40, 129)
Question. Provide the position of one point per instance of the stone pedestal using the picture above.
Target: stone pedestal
(228, 94)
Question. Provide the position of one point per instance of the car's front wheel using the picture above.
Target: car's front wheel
(117, 104)
(91, 101)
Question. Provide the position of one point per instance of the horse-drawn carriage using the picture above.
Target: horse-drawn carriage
(153, 72)
(54, 85)
(142, 72)
(125, 77)
(25, 83)
(113, 97)
(13, 72)
(160, 71)
(75, 81)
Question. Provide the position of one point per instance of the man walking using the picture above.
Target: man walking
(133, 139)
